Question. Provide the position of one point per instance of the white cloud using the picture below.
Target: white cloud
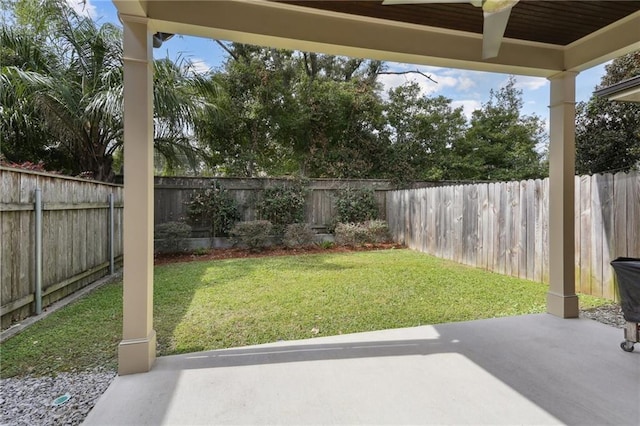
(466, 83)
(83, 8)
(468, 106)
(391, 81)
(531, 83)
(444, 79)
(199, 66)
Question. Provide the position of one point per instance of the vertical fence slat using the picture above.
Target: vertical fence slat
(606, 203)
(484, 227)
(596, 236)
(545, 231)
(494, 207)
(433, 230)
(620, 229)
(633, 215)
(471, 226)
(457, 223)
(539, 213)
(509, 228)
(585, 235)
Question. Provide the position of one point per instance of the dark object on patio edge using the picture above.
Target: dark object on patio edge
(628, 272)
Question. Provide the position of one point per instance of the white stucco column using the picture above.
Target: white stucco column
(137, 351)
(561, 298)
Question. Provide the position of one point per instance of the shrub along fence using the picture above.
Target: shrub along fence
(173, 193)
(55, 238)
(504, 227)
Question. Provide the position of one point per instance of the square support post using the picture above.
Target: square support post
(561, 298)
(137, 351)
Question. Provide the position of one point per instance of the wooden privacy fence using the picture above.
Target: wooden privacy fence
(504, 227)
(173, 193)
(75, 247)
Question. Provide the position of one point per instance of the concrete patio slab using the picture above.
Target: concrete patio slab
(534, 369)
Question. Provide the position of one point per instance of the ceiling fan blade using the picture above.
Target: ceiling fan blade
(392, 2)
(493, 31)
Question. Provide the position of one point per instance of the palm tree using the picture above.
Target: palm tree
(65, 80)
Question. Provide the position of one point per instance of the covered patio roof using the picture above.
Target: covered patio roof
(542, 38)
(552, 39)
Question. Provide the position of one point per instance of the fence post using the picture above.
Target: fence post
(111, 234)
(38, 249)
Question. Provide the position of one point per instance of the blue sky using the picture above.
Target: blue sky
(469, 89)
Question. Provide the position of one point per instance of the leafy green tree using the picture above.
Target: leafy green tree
(65, 85)
(24, 137)
(607, 132)
(256, 93)
(422, 130)
(340, 120)
(340, 136)
(294, 113)
(500, 143)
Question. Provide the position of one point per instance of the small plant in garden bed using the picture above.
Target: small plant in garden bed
(298, 235)
(377, 231)
(326, 245)
(354, 234)
(214, 207)
(253, 234)
(201, 251)
(172, 234)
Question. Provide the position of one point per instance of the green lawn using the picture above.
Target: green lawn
(218, 304)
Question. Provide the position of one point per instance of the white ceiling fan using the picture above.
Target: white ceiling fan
(496, 15)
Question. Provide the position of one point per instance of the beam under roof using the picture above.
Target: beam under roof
(289, 26)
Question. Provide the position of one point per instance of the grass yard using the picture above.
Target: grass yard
(227, 303)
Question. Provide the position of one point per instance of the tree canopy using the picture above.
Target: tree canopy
(265, 112)
(608, 132)
(61, 87)
(501, 144)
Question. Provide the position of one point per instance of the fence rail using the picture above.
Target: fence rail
(75, 244)
(504, 227)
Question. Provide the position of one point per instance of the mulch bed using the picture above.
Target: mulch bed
(236, 253)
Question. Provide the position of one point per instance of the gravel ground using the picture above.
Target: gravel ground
(29, 400)
(606, 314)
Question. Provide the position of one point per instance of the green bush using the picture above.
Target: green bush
(283, 204)
(378, 231)
(350, 234)
(355, 205)
(355, 234)
(173, 234)
(298, 234)
(214, 207)
(253, 234)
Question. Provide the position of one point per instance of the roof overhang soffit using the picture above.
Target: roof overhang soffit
(292, 27)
